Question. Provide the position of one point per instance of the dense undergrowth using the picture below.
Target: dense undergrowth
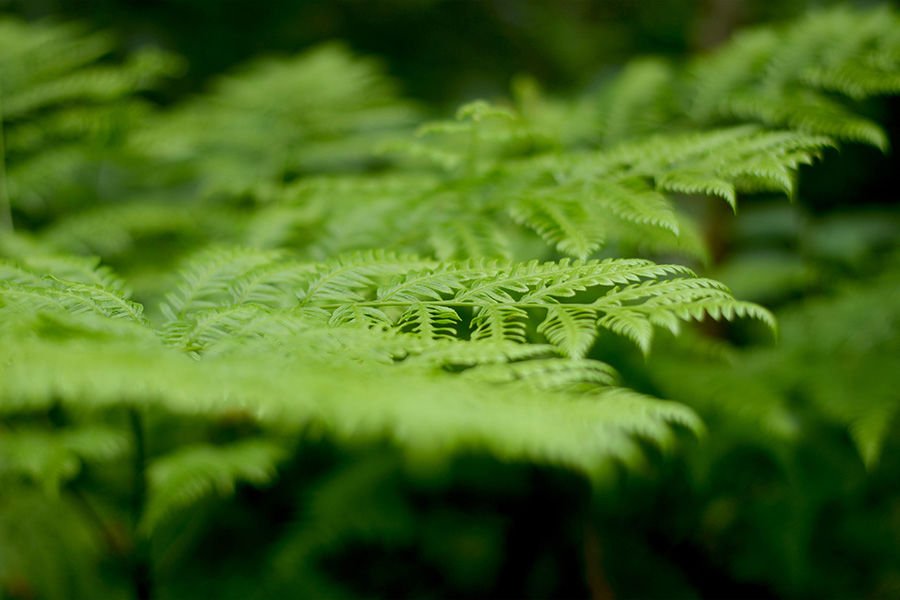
(289, 338)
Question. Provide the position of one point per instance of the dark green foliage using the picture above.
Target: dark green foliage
(433, 356)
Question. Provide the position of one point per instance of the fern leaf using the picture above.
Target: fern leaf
(686, 182)
(430, 321)
(632, 200)
(550, 374)
(345, 278)
(498, 322)
(562, 223)
(208, 279)
(572, 330)
(184, 477)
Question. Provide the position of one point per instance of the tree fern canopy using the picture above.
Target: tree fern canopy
(292, 307)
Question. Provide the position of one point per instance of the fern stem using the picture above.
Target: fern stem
(6, 222)
(598, 584)
(110, 538)
(140, 568)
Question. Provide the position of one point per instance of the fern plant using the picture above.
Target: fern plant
(448, 291)
(65, 114)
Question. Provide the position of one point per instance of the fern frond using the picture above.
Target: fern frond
(498, 322)
(64, 114)
(51, 458)
(347, 276)
(71, 297)
(561, 222)
(430, 321)
(329, 123)
(779, 77)
(430, 414)
(550, 374)
(208, 280)
(637, 101)
(570, 329)
(181, 478)
(370, 289)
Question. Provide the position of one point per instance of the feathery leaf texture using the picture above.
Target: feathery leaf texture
(440, 289)
(786, 76)
(62, 113)
(476, 315)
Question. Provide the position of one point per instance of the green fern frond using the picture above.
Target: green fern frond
(108, 298)
(51, 458)
(571, 329)
(64, 114)
(780, 77)
(498, 322)
(424, 414)
(209, 280)
(370, 289)
(180, 479)
(430, 321)
(562, 223)
(550, 374)
(637, 101)
(320, 122)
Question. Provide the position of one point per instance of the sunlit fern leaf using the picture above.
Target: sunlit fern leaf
(359, 314)
(686, 182)
(561, 222)
(550, 374)
(430, 321)
(807, 112)
(203, 328)
(633, 200)
(432, 298)
(180, 479)
(499, 322)
(36, 269)
(421, 413)
(208, 280)
(481, 351)
(72, 297)
(631, 324)
(348, 276)
(572, 330)
(427, 284)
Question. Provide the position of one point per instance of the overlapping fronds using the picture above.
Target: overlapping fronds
(282, 117)
(787, 77)
(289, 375)
(64, 109)
(440, 291)
(579, 202)
(569, 300)
(191, 473)
(837, 354)
(50, 458)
